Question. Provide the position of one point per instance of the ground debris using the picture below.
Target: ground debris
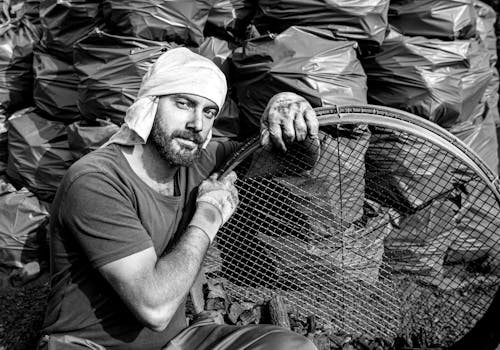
(23, 309)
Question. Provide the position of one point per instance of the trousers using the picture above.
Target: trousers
(205, 334)
(208, 335)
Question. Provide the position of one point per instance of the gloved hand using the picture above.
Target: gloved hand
(216, 202)
(287, 118)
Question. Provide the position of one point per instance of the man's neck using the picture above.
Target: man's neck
(151, 167)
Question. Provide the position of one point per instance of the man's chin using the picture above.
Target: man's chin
(177, 153)
(183, 158)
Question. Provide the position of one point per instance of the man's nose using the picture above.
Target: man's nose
(196, 121)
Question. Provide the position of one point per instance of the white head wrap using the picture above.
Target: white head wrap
(177, 71)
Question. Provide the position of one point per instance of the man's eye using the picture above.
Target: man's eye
(211, 113)
(182, 103)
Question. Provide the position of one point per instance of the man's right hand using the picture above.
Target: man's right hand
(216, 202)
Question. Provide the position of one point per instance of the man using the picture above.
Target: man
(132, 221)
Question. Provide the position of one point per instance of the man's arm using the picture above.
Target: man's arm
(154, 287)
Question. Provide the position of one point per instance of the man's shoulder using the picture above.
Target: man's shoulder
(103, 161)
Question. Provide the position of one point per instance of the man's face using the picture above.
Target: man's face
(181, 126)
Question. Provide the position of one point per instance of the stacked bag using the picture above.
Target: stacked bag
(364, 21)
(438, 62)
(22, 214)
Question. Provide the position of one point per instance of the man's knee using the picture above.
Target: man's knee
(287, 340)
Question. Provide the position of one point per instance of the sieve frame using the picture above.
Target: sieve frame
(399, 120)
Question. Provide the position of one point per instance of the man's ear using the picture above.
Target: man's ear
(209, 137)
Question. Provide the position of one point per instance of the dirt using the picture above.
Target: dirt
(23, 308)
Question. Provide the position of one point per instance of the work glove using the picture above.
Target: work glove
(216, 202)
(288, 118)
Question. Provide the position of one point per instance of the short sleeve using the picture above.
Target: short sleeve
(101, 217)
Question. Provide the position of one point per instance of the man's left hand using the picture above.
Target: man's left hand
(287, 118)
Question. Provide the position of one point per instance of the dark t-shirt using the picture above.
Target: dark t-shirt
(103, 212)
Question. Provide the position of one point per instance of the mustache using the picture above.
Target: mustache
(188, 135)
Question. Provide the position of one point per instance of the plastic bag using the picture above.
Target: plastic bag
(110, 70)
(441, 81)
(481, 136)
(56, 87)
(400, 171)
(485, 28)
(479, 215)
(21, 219)
(66, 22)
(441, 19)
(219, 51)
(362, 20)
(230, 18)
(418, 243)
(491, 96)
(17, 38)
(30, 9)
(178, 21)
(307, 61)
(3, 142)
(84, 137)
(38, 152)
(407, 176)
(476, 81)
(478, 218)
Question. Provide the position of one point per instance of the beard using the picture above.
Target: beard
(164, 144)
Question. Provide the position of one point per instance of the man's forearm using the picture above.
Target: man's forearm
(175, 272)
(154, 290)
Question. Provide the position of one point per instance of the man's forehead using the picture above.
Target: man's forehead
(193, 98)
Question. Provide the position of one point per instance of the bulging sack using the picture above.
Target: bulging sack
(21, 220)
(84, 137)
(230, 18)
(55, 89)
(485, 28)
(362, 20)
(177, 21)
(38, 152)
(17, 38)
(441, 81)
(110, 70)
(307, 61)
(480, 135)
(66, 22)
(3, 142)
(441, 19)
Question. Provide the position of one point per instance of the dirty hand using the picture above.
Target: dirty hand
(288, 117)
(216, 202)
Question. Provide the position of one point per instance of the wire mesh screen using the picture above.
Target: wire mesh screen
(387, 234)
